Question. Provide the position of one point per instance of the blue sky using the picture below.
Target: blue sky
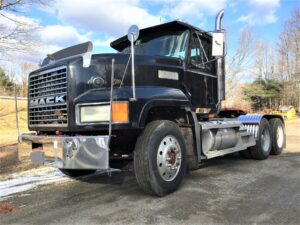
(68, 22)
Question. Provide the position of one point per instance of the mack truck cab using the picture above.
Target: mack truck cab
(149, 104)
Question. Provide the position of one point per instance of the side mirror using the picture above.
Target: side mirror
(133, 33)
(218, 44)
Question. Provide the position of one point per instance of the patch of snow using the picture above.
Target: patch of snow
(27, 182)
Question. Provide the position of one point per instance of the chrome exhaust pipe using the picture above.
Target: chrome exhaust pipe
(218, 22)
(220, 62)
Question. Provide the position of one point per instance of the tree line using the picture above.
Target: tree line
(17, 37)
(9, 84)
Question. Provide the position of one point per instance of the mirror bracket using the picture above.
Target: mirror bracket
(133, 35)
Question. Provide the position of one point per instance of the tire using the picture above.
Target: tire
(160, 158)
(278, 135)
(263, 145)
(76, 173)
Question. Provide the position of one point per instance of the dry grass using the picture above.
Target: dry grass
(292, 136)
(8, 131)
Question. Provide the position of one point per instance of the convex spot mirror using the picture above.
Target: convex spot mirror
(133, 33)
(218, 44)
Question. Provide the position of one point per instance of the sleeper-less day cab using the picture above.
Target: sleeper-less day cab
(148, 103)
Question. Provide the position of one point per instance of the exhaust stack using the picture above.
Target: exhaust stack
(220, 62)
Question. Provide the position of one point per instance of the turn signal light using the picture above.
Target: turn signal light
(120, 112)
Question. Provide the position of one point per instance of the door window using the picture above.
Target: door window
(200, 53)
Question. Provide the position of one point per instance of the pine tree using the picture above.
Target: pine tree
(6, 85)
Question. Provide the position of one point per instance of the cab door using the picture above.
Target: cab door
(200, 76)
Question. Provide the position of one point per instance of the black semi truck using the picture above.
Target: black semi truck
(149, 104)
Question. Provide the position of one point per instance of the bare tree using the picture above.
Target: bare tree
(26, 68)
(17, 39)
(289, 59)
(262, 60)
(265, 61)
(238, 62)
(13, 5)
(17, 33)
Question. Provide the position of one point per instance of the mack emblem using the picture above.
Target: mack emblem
(48, 100)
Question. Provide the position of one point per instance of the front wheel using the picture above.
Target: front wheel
(160, 158)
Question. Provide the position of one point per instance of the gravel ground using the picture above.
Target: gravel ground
(226, 190)
(9, 162)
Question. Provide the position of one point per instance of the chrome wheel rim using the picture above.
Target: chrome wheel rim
(169, 158)
(279, 136)
(266, 140)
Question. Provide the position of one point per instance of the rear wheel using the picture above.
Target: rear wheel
(264, 143)
(160, 158)
(76, 173)
(277, 135)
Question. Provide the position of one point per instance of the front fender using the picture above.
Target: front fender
(162, 97)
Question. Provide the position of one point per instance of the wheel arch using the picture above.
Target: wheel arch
(250, 120)
(272, 116)
(256, 118)
(160, 107)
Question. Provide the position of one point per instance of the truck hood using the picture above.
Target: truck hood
(98, 74)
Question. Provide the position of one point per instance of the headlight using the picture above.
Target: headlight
(95, 113)
(101, 113)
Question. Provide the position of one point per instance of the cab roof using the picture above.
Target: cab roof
(176, 25)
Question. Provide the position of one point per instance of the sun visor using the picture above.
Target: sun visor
(84, 49)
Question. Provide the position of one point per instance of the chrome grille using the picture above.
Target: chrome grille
(47, 107)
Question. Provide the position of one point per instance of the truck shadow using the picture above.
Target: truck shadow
(235, 158)
(113, 178)
(231, 161)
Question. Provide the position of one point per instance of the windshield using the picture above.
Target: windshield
(171, 44)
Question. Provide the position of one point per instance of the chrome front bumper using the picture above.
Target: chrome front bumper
(67, 152)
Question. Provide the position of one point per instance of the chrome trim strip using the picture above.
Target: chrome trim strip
(49, 110)
(51, 85)
(49, 70)
(62, 114)
(41, 120)
(111, 97)
(39, 92)
(49, 125)
(44, 79)
(201, 73)
(31, 98)
(42, 106)
(61, 78)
